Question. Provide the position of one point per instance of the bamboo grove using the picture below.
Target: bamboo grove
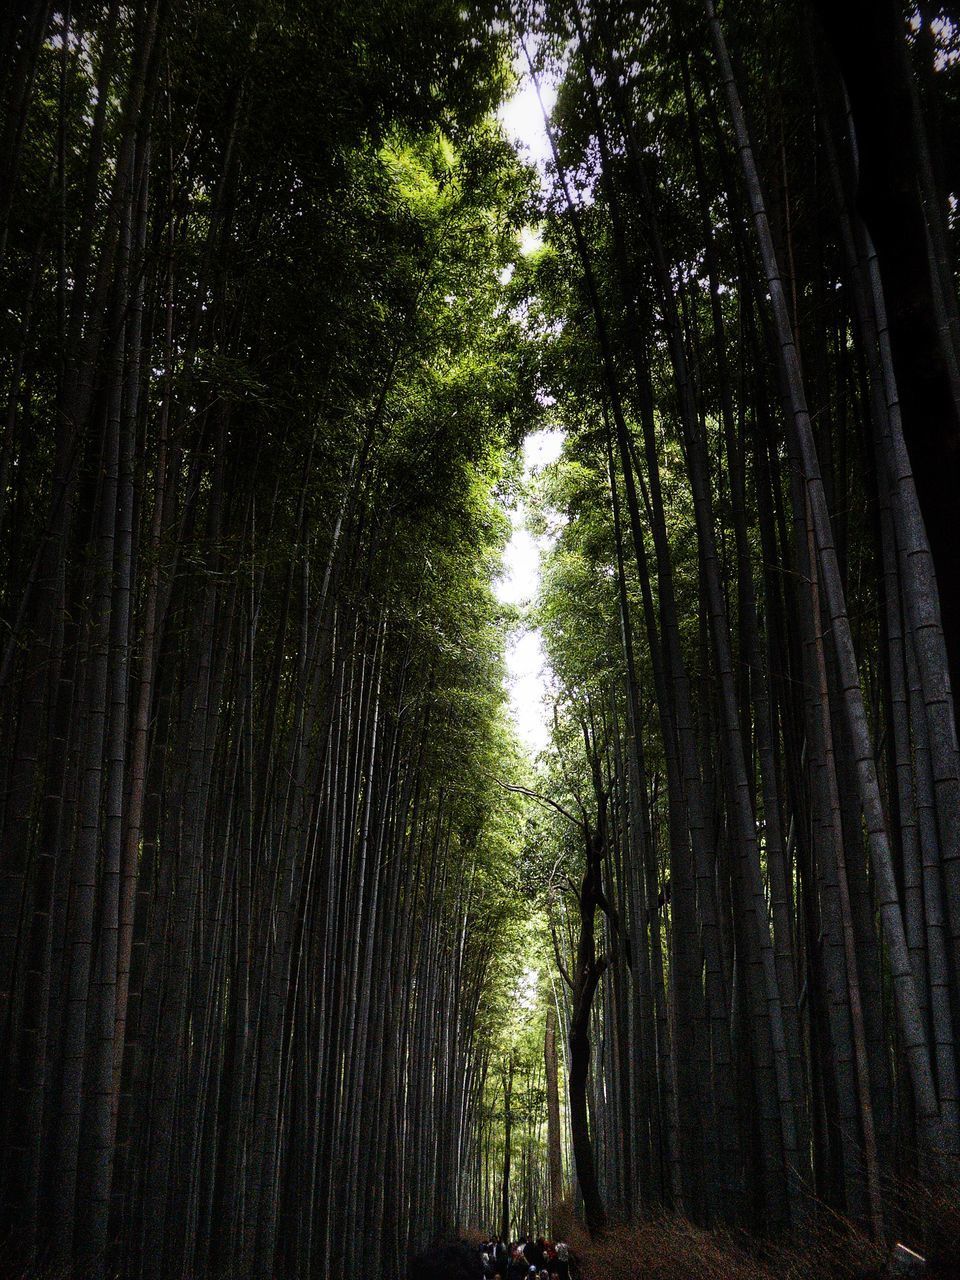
(748, 304)
(257, 384)
(295, 946)
(513, 1181)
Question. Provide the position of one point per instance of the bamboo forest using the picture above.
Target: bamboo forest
(479, 639)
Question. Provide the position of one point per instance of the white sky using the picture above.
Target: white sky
(523, 120)
(527, 672)
(527, 989)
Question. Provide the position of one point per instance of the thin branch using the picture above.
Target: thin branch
(560, 965)
(535, 795)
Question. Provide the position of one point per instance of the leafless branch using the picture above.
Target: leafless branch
(541, 799)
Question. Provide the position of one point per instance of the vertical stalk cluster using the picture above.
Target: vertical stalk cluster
(748, 549)
(255, 389)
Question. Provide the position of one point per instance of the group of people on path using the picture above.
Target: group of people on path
(525, 1259)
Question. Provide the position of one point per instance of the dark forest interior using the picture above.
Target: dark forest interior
(308, 934)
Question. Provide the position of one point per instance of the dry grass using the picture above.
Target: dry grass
(671, 1248)
(928, 1217)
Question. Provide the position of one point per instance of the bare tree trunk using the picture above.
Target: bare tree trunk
(554, 1158)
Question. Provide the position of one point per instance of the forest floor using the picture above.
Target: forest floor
(671, 1248)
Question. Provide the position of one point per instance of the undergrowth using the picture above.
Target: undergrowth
(666, 1247)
